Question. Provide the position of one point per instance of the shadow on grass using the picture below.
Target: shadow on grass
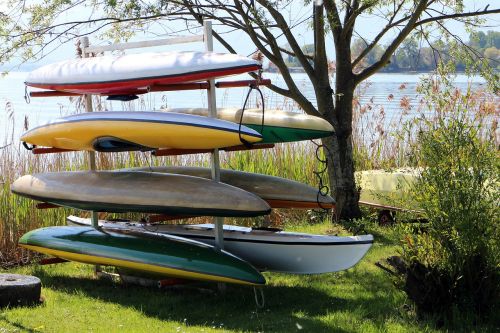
(380, 237)
(19, 327)
(287, 308)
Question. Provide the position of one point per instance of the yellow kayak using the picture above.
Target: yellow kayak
(125, 131)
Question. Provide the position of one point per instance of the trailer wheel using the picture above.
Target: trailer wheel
(19, 290)
(385, 218)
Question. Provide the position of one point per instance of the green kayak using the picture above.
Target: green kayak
(151, 253)
(279, 126)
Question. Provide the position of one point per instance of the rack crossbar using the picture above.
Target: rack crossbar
(176, 152)
(162, 217)
(49, 150)
(141, 44)
(52, 93)
(163, 87)
(46, 205)
(50, 261)
(242, 83)
(179, 86)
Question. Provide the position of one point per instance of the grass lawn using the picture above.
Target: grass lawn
(361, 299)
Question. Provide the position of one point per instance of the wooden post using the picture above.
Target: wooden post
(88, 108)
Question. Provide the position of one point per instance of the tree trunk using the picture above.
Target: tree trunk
(339, 147)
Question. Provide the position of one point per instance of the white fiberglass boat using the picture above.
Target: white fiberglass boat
(267, 249)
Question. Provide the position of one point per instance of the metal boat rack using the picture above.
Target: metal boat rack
(210, 86)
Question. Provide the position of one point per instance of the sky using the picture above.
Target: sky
(367, 26)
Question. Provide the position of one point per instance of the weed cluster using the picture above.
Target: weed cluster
(452, 267)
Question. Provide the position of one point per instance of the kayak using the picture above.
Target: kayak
(386, 189)
(128, 130)
(266, 249)
(164, 255)
(120, 192)
(276, 191)
(279, 126)
(125, 74)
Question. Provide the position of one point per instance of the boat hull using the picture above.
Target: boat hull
(164, 255)
(125, 73)
(278, 192)
(387, 189)
(123, 131)
(279, 126)
(267, 250)
(119, 192)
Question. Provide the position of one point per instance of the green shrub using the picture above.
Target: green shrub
(453, 266)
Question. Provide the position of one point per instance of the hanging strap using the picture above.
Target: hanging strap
(323, 189)
(251, 87)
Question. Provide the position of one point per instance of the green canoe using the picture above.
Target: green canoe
(151, 253)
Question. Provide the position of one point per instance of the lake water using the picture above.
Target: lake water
(383, 91)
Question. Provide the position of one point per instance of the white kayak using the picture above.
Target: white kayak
(125, 74)
(266, 249)
(387, 189)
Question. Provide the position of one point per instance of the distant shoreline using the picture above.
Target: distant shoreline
(294, 70)
(301, 70)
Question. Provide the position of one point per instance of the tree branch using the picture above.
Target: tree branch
(351, 19)
(381, 34)
(386, 56)
(458, 15)
(199, 18)
(332, 14)
(277, 59)
(290, 38)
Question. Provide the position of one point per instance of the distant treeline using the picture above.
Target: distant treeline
(414, 56)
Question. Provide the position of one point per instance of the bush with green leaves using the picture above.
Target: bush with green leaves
(452, 266)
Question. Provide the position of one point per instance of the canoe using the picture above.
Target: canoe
(125, 73)
(127, 130)
(266, 249)
(279, 126)
(147, 192)
(163, 255)
(278, 192)
(386, 189)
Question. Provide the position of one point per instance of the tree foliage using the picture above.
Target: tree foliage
(453, 264)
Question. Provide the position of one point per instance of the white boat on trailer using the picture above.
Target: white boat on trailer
(265, 248)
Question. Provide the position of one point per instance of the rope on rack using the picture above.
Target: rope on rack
(25, 145)
(251, 87)
(323, 190)
(259, 302)
(27, 98)
(149, 160)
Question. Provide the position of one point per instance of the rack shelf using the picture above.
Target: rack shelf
(159, 88)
